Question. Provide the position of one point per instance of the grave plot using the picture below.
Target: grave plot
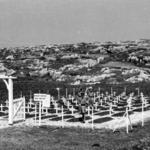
(102, 120)
(79, 119)
(137, 105)
(105, 109)
(104, 113)
(67, 112)
(120, 114)
(60, 118)
(139, 109)
(90, 111)
(3, 114)
(29, 116)
(53, 111)
(123, 108)
(49, 116)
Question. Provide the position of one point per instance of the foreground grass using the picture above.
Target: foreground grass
(52, 138)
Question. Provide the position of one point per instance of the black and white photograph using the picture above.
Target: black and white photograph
(74, 74)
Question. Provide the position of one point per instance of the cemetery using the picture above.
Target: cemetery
(103, 109)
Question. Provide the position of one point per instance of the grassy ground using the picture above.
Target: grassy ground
(52, 138)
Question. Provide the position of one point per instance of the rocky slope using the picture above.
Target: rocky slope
(88, 63)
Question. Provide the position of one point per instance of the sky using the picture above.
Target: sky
(36, 22)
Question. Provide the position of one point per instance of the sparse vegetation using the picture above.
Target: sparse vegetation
(60, 62)
(46, 137)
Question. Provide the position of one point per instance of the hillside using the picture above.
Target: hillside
(81, 63)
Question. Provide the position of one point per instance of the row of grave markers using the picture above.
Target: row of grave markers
(44, 101)
(126, 115)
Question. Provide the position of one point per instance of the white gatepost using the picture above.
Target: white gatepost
(9, 85)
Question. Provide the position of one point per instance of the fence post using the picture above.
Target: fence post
(10, 90)
(39, 113)
(35, 111)
(56, 108)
